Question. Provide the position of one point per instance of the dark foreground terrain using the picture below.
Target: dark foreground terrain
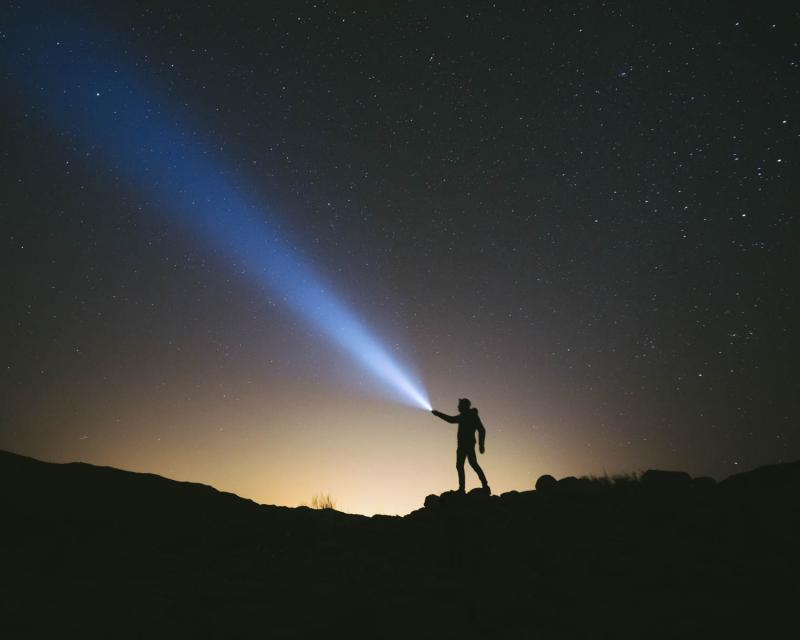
(98, 552)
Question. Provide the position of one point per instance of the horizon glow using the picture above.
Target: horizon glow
(89, 95)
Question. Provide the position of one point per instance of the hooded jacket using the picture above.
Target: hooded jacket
(468, 423)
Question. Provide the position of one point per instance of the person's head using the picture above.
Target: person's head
(463, 405)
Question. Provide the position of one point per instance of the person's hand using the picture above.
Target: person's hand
(483, 449)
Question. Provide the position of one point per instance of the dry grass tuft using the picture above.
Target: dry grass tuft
(322, 501)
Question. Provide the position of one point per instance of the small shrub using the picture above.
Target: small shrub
(627, 479)
(322, 501)
(618, 481)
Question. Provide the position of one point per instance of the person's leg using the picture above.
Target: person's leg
(473, 462)
(460, 456)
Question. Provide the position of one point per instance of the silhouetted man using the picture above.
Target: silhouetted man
(468, 423)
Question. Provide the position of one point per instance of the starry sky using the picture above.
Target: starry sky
(581, 215)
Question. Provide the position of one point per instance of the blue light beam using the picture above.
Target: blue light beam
(86, 93)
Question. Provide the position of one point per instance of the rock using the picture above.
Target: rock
(478, 493)
(517, 499)
(432, 501)
(546, 483)
(771, 478)
(451, 498)
(565, 484)
(666, 480)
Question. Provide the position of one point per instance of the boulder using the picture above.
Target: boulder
(432, 501)
(517, 499)
(451, 499)
(546, 483)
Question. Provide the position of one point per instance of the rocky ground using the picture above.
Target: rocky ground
(93, 551)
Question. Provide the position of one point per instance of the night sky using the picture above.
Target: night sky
(582, 216)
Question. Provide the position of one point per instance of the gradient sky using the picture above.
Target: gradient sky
(582, 216)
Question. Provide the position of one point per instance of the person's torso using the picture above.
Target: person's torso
(467, 425)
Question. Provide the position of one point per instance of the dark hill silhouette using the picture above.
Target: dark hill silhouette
(94, 551)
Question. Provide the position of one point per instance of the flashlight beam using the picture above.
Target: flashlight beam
(103, 103)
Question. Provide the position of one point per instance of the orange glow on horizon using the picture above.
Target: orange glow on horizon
(370, 456)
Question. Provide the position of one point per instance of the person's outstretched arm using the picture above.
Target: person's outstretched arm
(481, 435)
(445, 417)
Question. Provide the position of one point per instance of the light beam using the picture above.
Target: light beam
(88, 94)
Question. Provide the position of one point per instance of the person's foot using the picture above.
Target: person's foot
(487, 489)
(461, 491)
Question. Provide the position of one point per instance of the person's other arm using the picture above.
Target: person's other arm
(445, 417)
(481, 435)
